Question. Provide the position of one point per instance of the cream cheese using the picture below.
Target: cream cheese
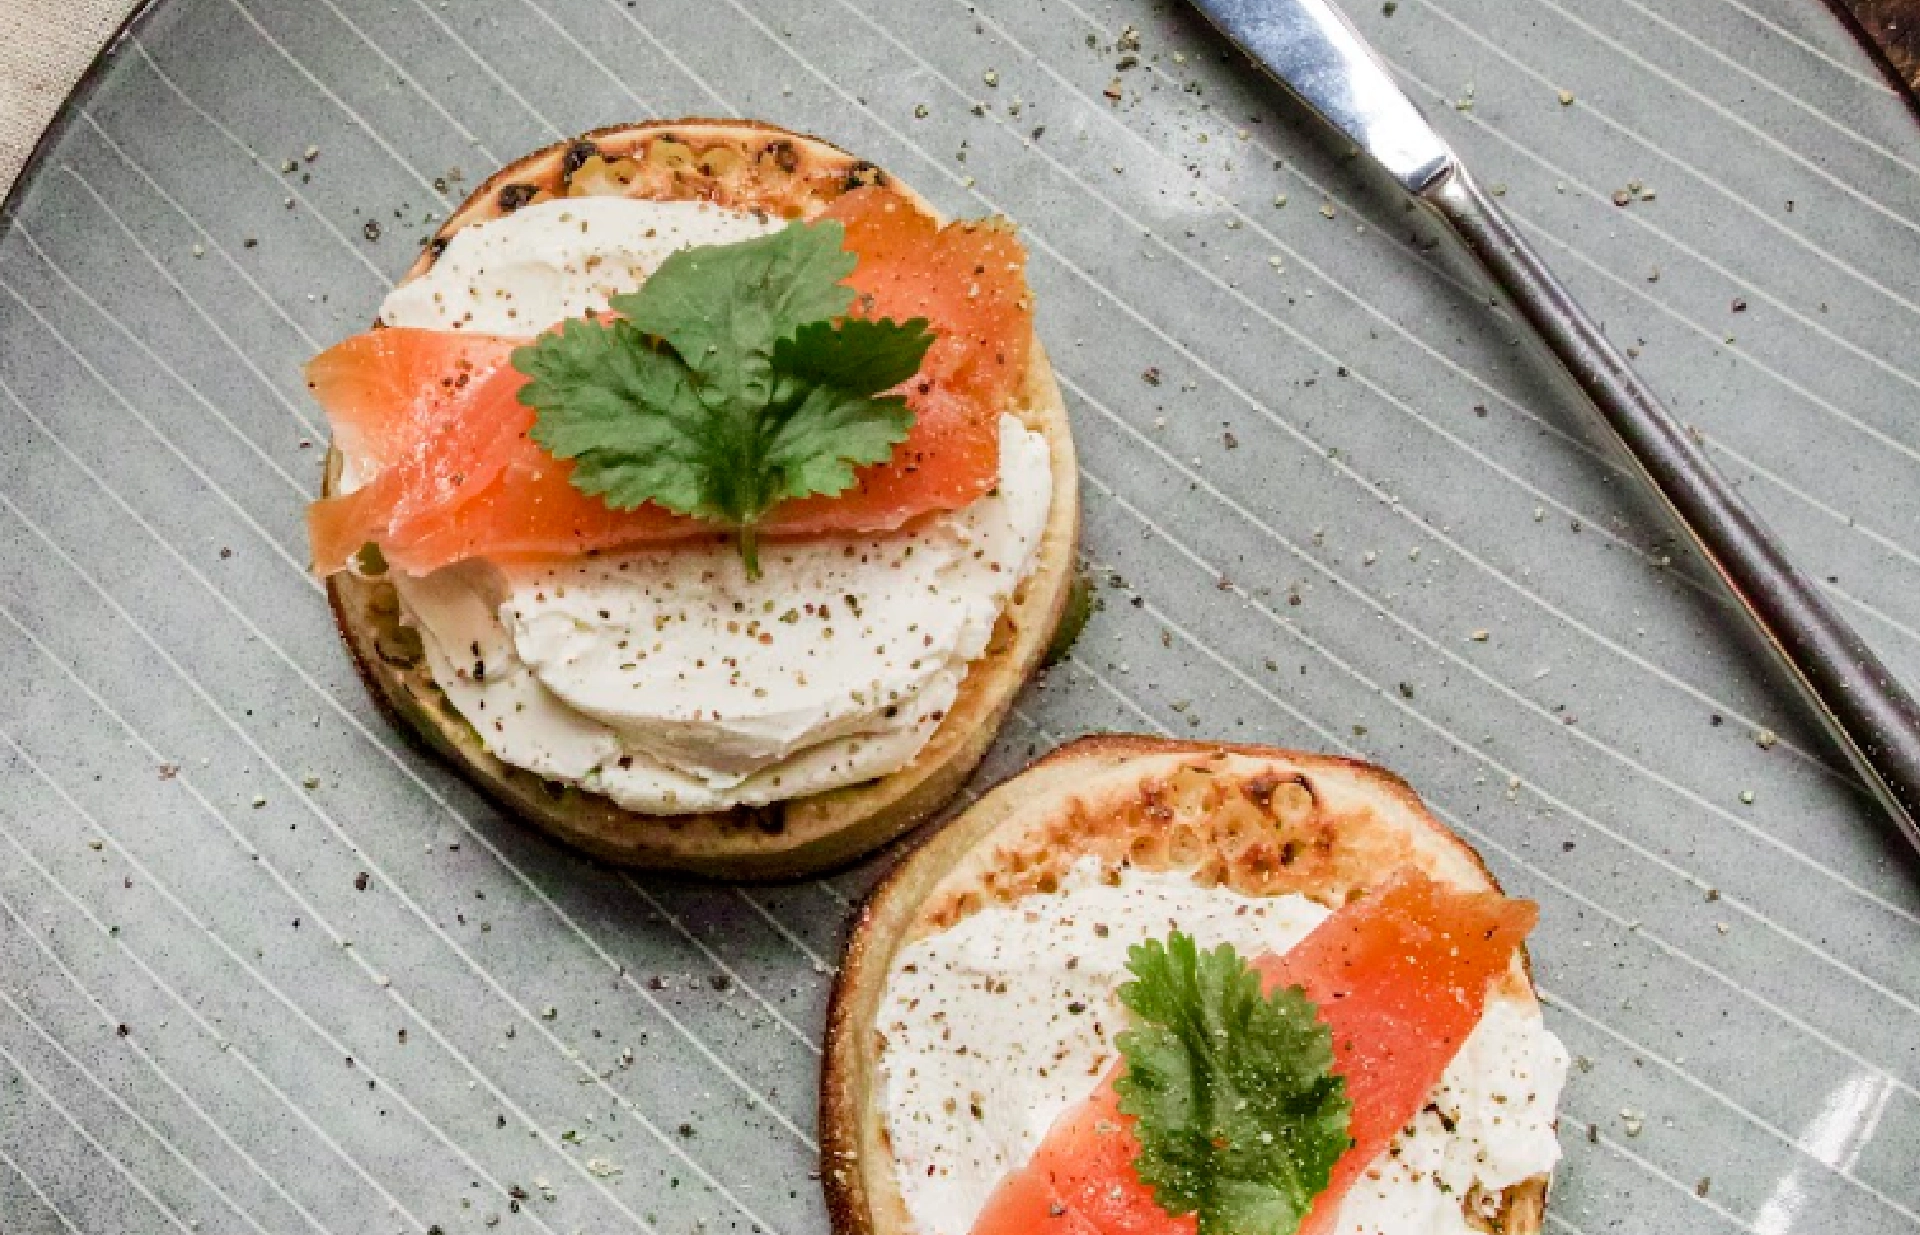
(530, 270)
(665, 678)
(997, 1026)
(670, 682)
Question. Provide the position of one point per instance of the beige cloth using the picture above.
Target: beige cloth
(44, 46)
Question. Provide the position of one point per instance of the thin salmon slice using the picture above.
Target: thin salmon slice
(432, 417)
(1081, 1181)
(389, 390)
(1400, 976)
(435, 418)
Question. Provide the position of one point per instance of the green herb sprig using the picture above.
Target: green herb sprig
(729, 382)
(1240, 1115)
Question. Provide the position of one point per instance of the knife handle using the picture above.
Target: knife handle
(1873, 717)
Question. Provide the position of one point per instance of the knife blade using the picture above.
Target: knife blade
(1318, 56)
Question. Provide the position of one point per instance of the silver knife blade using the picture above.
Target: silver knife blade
(1309, 46)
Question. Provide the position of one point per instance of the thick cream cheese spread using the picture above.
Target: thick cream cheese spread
(527, 271)
(998, 1025)
(665, 678)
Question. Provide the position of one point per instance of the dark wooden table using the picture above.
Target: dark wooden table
(1892, 26)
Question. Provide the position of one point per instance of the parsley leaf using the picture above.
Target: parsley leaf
(853, 351)
(585, 384)
(720, 298)
(726, 385)
(1240, 1115)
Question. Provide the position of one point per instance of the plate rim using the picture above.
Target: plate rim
(56, 128)
(1851, 22)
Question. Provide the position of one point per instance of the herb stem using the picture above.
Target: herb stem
(747, 536)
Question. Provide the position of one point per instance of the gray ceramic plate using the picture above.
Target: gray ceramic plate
(264, 969)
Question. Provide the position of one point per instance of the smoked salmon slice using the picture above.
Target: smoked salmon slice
(448, 469)
(1400, 976)
(429, 418)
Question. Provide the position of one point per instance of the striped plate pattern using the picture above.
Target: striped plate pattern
(262, 968)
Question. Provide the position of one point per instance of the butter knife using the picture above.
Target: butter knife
(1312, 50)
